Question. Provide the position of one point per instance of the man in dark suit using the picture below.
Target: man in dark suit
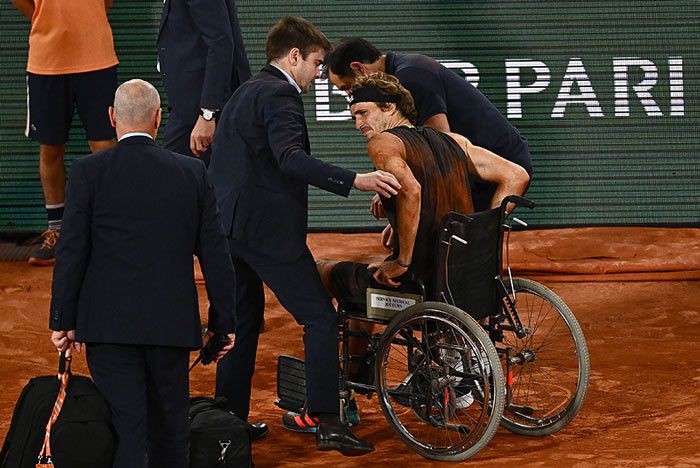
(261, 168)
(123, 281)
(202, 62)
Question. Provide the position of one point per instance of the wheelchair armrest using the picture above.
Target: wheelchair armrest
(518, 201)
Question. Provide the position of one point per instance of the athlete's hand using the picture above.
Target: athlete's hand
(381, 182)
(376, 208)
(202, 135)
(386, 273)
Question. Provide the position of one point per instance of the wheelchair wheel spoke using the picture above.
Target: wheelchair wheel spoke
(550, 365)
(433, 382)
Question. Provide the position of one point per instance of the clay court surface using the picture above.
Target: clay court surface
(636, 293)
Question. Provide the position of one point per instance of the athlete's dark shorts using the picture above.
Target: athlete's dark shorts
(349, 282)
(53, 99)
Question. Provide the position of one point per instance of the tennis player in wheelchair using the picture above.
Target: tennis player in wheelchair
(433, 169)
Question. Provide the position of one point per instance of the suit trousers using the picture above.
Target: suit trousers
(299, 289)
(147, 390)
(176, 136)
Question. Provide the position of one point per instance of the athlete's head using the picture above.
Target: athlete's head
(379, 102)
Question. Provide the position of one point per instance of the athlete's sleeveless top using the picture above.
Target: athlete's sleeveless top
(440, 166)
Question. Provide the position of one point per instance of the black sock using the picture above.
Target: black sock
(55, 215)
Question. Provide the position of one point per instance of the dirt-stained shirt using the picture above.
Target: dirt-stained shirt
(70, 36)
(440, 166)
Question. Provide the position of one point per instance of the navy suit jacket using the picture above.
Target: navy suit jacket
(134, 216)
(201, 53)
(261, 167)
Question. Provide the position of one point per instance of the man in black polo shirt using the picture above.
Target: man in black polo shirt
(443, 100)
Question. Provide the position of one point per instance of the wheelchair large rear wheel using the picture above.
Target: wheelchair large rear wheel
(550, 366)
(439, 381)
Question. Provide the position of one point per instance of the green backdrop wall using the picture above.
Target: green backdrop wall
(605, 91)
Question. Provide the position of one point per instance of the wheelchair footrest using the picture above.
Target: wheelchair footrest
(291, 383)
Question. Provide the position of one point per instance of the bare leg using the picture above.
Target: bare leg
(53, 183)
(52, 173)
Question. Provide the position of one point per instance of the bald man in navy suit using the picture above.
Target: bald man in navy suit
(124, 285)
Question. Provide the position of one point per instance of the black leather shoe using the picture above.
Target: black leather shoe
(258, 430)
(336, 436)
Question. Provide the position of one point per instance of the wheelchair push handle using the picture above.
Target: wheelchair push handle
(518, 201)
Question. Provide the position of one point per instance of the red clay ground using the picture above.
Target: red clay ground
(634, 291)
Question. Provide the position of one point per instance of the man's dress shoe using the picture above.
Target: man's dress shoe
(336, 436)
(258, 430)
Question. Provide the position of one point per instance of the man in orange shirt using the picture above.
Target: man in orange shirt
(71, 64)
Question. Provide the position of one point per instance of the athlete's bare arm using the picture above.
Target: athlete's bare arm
(389, 154)
(510, 178)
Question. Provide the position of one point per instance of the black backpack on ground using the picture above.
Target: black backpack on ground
(218, 438)
(82, 435)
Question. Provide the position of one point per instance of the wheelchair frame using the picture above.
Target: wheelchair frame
(464, 378)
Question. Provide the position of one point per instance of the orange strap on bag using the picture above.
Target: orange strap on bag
(44, 459)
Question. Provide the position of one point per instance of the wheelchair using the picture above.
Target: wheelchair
(484, 350)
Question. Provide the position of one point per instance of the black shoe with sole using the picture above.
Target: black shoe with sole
(336, 436)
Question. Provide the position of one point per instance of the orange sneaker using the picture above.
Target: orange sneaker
(44, 255)
(299, 422)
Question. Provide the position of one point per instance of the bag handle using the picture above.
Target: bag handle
(44, 459)
(63, 362)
